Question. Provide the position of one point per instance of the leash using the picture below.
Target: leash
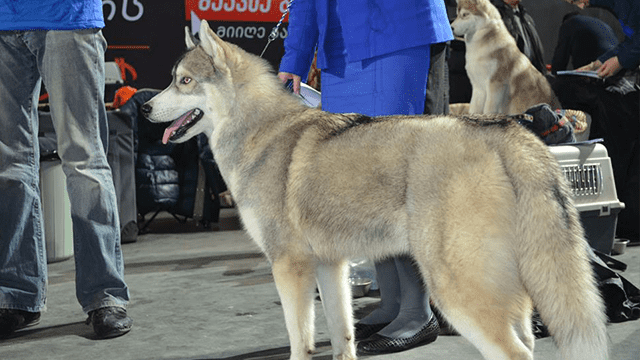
(274, 35)
(274, 32)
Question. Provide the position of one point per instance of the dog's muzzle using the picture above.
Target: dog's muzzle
(179, 126)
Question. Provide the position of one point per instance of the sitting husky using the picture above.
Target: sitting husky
(479, 202)
(503, 80)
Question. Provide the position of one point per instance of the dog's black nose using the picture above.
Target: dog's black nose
(146, 110)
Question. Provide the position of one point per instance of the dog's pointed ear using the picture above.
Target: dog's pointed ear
(210, 42)
(188, 38)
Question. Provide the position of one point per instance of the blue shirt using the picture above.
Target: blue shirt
(354, 30)
(50, 14)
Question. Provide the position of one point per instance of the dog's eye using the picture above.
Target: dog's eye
(185, 80)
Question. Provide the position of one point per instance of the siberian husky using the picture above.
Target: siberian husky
(503, 80)
(478, 201)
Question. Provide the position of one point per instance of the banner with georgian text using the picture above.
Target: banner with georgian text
(236, 10)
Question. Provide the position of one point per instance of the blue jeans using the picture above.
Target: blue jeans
(71, 64)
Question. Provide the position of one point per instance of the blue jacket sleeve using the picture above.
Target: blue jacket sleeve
(300, 44)
(629, 52)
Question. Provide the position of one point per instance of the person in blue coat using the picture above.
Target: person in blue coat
(58, 42)
(626, 55)
(375, 58)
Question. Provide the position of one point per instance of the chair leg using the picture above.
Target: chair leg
(145, 227)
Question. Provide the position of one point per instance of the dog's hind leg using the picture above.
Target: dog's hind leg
(524, 328)
(491, 334)
(336, 301)
(483, 299)
(295, 281)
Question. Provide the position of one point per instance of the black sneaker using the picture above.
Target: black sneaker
(13, 320)
(110, 322)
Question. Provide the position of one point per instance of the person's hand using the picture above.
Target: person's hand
(284, 76)
(592, 66)
(610, 67)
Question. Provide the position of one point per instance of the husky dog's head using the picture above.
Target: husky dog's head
(202, 88)
(471, 15)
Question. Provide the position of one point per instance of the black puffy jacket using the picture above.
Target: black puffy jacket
(167, 175)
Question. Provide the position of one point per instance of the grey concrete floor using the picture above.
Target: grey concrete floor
(209, 294)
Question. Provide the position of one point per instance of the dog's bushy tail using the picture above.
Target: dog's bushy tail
(554, 264)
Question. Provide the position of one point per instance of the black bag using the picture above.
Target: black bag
(622, 299)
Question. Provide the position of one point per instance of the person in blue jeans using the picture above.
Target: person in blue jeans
(374, 56)
(60, 43)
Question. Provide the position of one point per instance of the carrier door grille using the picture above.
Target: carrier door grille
(585, 180)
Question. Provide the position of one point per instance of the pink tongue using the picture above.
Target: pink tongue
(173, 127)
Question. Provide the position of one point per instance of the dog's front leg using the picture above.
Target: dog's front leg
(478, 97)
(295, 281)
(497, 100)
(335, 292)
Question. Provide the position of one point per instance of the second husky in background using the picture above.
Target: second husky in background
(503, 79)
